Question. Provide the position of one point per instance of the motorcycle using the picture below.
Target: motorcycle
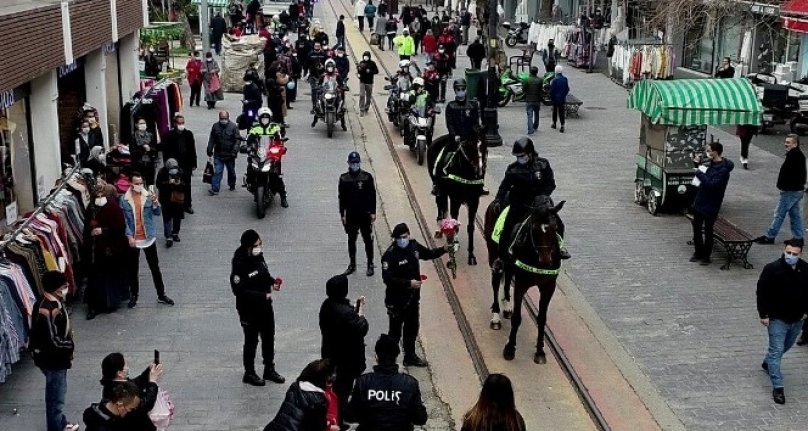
(510, 88)
(419, 130)
(398, 103)
(516, 35)
(264, 170)
(330, 105)
(782, 103)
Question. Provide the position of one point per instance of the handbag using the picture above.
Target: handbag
(215, 84)
(163, 411)
(177, 197)
(207, 175)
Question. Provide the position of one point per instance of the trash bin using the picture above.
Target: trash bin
(473, 81)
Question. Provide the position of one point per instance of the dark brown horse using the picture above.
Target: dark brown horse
(533, 260)
(457, 171)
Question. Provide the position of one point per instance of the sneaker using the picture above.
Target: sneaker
(212, 193)
(165, 300)
(779, 396)
(414, 361)
(176, 238)
(531, 132)
(273, 376)
(232, 188)
(350, 270)
(745, 162)
(553, 126)
(189, 210)
(169, 242)
(132, 302)
(763, 239)
(253, 379)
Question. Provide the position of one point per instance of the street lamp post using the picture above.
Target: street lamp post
(490, 121)
(204, 30)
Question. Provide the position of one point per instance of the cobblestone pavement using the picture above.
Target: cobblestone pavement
(200, 338)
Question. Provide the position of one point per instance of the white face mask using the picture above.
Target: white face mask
(257, 250)
(137, 188)
(99, 202)
(180, 127)
(141, 127)
(85, 130)
(91, 120)
(367, 58)
(265, 121)
(64, 293)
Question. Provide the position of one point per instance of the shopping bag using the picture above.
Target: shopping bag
(215, 84)
(207, 175)
(163, 411)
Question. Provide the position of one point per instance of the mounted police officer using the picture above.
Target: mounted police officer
(463, 118)
(259, 134)
(401, 273)
(525, 179)
(357, 209)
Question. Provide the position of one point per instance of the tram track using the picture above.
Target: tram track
(464, 325)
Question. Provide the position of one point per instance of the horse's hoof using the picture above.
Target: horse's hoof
(509, 352)
(540, 358)
(507, 311)
(496, 323)
(472, 260)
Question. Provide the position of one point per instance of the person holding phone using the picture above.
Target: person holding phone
(344, 327)
(115, 372)
(253, 287)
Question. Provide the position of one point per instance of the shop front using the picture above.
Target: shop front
(72, 96)
(17, 171)
(795, 19)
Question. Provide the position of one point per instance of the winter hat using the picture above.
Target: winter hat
(353, 157)
(337, 287)
(172, 164)
(249, 238)
(53, 281)
(399, 230)
(387, 347)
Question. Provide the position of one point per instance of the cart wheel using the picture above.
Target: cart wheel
(653, 204)
(639, 193)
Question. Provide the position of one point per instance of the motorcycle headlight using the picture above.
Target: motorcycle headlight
(265, 168)
(422, 122)
(329, 96)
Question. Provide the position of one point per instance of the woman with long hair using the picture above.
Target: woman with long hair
(495, 409)
(305, 406)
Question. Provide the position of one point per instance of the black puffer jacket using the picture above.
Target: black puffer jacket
(303, 409)
(386, 400)
(251, 281)
(137, 419)
(525, 182)
(343, 331)
(792, 172)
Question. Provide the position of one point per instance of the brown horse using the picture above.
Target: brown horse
(533, 261)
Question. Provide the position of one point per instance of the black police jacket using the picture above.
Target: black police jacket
(251, 281)
(304, 409)
(343, 331)
(525, 182)
(461, 118)
(781, 292)
(357, 194)
(399, 267)
(386, 400)
(315, 63)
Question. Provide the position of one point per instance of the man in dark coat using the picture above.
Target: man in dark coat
(109, 414)
(344, 328)
(790, 182)
(218, 27)
(713, 178)
(476, 53)
(179, 144)
(357, 209)
(341, 31)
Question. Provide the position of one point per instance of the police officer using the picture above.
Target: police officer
(401, 273)
(525, 179)
(258, 135)
(253, 286)
(386, 399)
(357, 209)
(463, 118)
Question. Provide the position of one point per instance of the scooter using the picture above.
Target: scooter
(418, 135)
(510, 88)
(264, 170)
(516, 35)
(398, 102)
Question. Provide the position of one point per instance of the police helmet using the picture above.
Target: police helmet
(523, 145)
(418, 81)
(404, 64)
(265, 112)
(330, 62)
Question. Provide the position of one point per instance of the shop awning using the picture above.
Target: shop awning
(690, 102)
(212, 3)
(795, 24)
(795, 8)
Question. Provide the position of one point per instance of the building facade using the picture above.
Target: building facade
(61, 55)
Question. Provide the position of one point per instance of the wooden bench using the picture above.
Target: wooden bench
(735, 241)
(571, 105)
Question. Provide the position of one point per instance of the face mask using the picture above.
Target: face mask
(791, 260)
(441, 51)
(366, 58)
(460, 95)
(402, 242)
(173, 172)
(91, 120)
(141, 127)
(210, 58)
(85, 130)
(330, 69)
(99, 202)
(64, 292)
(265, 121)
(137, 188)
(256, 251)
(339, 54)
(224, 121)
(180, 127)
(354, 167)
(522, 160)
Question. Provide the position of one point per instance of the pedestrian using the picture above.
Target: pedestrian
(194, 71)
(366, 71)
(357, 208)
(429, 46)
(235, 9)
(381, 12)
(140, 206)
(745, 133)
(465, 23)
(386, 399)
(340, 33)
(476, 54)
(152, 66)
(359, 14)
(549, 56)
(51, 343)
(305, 406)
(725, 70)
(782, 302)
(391, 28)
(401, 273)
(253, 285)
(559, 88)
(210, 78)
(110, 412)
(180, 145)
(443, 64)
(495, 409)
(381, 31)
(405, 44)
(115, 372)
(218, 27)
(343, 327)
(370, 12)
(791, 183)
(96, 161)
(85, 140)
(532, 87)
(105, 234)
(171, 194)
(144, 151)
(713, 178)
(223, 146)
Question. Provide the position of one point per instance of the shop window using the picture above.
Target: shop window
(732, 31)
(13, 139)
(698, 47)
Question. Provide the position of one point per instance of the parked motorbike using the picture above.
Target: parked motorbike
(398, 102)
(510, 88)
(419, 131)
(782, 103)
(516, 34)
(263, 175)
(330, 107)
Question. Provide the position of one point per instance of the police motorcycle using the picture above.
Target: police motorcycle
(516, 34)
(398, 102)
(330, 105)
(420, 124)
(265, 148)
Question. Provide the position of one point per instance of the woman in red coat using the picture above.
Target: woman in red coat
(105, 233)
(194, 71)
(429, 45)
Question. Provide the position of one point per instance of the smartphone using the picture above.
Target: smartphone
(358, 304)
(151, 189)
(156, 357)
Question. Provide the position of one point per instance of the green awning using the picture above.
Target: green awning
(690, 102)
(212, 3)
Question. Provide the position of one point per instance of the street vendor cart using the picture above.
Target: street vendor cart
(673, 132)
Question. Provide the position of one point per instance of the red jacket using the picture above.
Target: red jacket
(194, 70)
(430, 44)
(332, 415)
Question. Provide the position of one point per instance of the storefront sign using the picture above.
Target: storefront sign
(11, 213)
(764, 9)
(7, 99)
(67, 69)
(110, 48)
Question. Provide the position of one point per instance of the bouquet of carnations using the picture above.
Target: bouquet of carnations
(449, 228)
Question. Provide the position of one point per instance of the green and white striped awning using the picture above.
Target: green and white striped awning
(689, 102)
(212, 3)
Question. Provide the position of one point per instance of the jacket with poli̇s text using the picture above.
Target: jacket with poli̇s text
(386, 400)
(250, 281)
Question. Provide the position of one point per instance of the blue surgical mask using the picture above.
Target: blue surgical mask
(460, 95)
(173, 172)
(402, 242)
(522, 160)
(791, 260)
(354, 167)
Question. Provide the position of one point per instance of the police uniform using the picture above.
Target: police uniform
(462, 118)
(400, 266)
(357, 203)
